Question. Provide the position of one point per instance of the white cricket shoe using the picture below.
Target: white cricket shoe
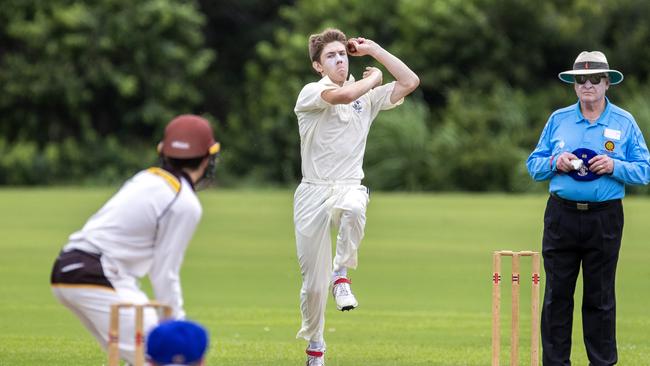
(345, 300)
(315, 358)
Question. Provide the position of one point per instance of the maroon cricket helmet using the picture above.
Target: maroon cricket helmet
(188, 136)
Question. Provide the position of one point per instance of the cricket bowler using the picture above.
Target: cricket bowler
(334, 118)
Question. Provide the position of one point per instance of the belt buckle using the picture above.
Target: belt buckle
(582, 206)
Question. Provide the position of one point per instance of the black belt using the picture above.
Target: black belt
(584, 206)
(77, 267)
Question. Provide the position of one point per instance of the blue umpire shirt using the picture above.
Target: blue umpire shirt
(615, 133)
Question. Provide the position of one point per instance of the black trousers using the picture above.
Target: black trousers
(574, 235)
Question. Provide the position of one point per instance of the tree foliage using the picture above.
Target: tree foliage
(98, 74)
(87, 86)
(488, 75)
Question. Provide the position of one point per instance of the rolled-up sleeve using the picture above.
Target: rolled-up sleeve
(541, 162)
(635, 169)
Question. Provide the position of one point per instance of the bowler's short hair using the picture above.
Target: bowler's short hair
(318, 41)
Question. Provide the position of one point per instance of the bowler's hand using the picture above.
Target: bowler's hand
(601, 164)
(564, 162)
(375, 73)
(361, 46)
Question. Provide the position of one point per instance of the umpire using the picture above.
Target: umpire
(589, 151)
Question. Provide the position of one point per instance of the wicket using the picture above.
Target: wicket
(496, 306)
(114, 330)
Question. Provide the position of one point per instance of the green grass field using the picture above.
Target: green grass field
(423, 281)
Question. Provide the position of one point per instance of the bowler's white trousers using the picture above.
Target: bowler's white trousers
(318, 207)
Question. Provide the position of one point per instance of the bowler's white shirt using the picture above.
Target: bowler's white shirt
(333, 137)
(144, 229)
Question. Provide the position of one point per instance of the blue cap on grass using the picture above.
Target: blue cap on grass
(584, 174)
(177, 342)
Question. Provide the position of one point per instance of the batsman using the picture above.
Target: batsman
(143, 230)
(334, 118)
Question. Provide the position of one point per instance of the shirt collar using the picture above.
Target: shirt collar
(178, 174)
(602, 120)
(327, 81)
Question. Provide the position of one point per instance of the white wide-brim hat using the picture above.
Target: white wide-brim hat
(587, 63)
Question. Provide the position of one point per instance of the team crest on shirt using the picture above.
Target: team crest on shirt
(609, 146)
(357, 106)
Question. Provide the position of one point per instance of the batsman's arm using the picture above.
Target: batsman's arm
(174, 233)
(165, 281)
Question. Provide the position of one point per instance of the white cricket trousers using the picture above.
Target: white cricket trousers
(91, 304)
(319, 207)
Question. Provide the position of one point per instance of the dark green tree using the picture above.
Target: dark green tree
(101, 76)
(488, 75)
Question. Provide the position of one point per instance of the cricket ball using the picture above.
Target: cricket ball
(351, 47)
